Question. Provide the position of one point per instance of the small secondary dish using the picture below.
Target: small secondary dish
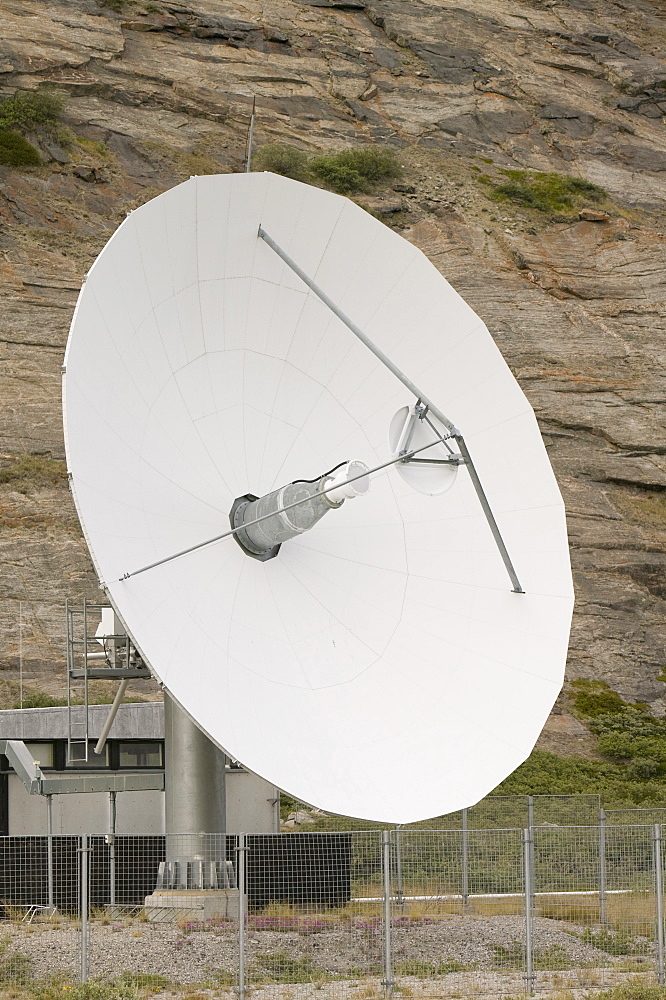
(237, 352)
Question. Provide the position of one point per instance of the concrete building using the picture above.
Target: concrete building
(135, 746)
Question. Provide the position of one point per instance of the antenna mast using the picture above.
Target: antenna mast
(250, 135)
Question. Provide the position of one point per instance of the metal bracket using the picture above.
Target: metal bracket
(453, 460)
(419, 413)
(421, 397)
(236, 522)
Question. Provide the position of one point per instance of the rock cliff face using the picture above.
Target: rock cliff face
(161, 90)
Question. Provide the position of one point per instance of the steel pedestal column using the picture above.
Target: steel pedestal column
(193, 783)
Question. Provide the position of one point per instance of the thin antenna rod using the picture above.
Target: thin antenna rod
(407, 382)
(280, 510)
(250, 136)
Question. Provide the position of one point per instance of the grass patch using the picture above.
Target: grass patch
(512, 956)
(614, 942)
(549, 193)
(279, 967)
(122, 988)
(144, 981)
(631, 991)
(198, 164)
(16, 151)
(25, 471)
(223, 977)
(15, 968)
(94, 147)
(592, 698)
(414, 967)
(100, 692)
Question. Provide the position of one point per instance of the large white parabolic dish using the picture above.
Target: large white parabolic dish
(380, 666)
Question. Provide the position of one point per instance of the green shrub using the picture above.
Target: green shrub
(592, 698)
(15, 151)
(546, 192)
(614, 942)
(29, 109)
(338, 176)
(355, 170)
(352, 171)
(634, 721)
(38, 699)
(280, 158)
(279, 967)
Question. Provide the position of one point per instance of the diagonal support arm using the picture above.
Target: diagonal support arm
(407, 382)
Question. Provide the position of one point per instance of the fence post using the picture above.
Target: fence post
(49, 849)
(530, 823)
(242, 911)
(529, 892)
(602, 867)
(84, 907)
(112, 847)
(400, 898)
(387, 981)
(658, 891)
(465, 860)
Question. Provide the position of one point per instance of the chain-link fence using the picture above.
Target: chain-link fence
(504, 812)
(458, 912)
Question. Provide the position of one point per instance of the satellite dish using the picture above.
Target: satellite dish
(247, 340)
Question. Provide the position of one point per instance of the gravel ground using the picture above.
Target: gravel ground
(459, 947)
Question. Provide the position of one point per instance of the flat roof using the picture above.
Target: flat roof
(134, 721)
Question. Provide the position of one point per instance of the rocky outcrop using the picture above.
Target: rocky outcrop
(162, 90)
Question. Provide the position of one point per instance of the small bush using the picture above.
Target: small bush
(38, 699)
(352, 171)
(614, 942)
(355, 170)
(15, 151)
(338, 176)
(592, 698)
(545, 192)
(29, 109)
(279, 967)
(280, 158)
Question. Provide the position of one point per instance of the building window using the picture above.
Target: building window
(148, 754)
(95, 761)
(42, 753)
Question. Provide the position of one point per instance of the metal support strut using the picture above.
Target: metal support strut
(420, 396)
